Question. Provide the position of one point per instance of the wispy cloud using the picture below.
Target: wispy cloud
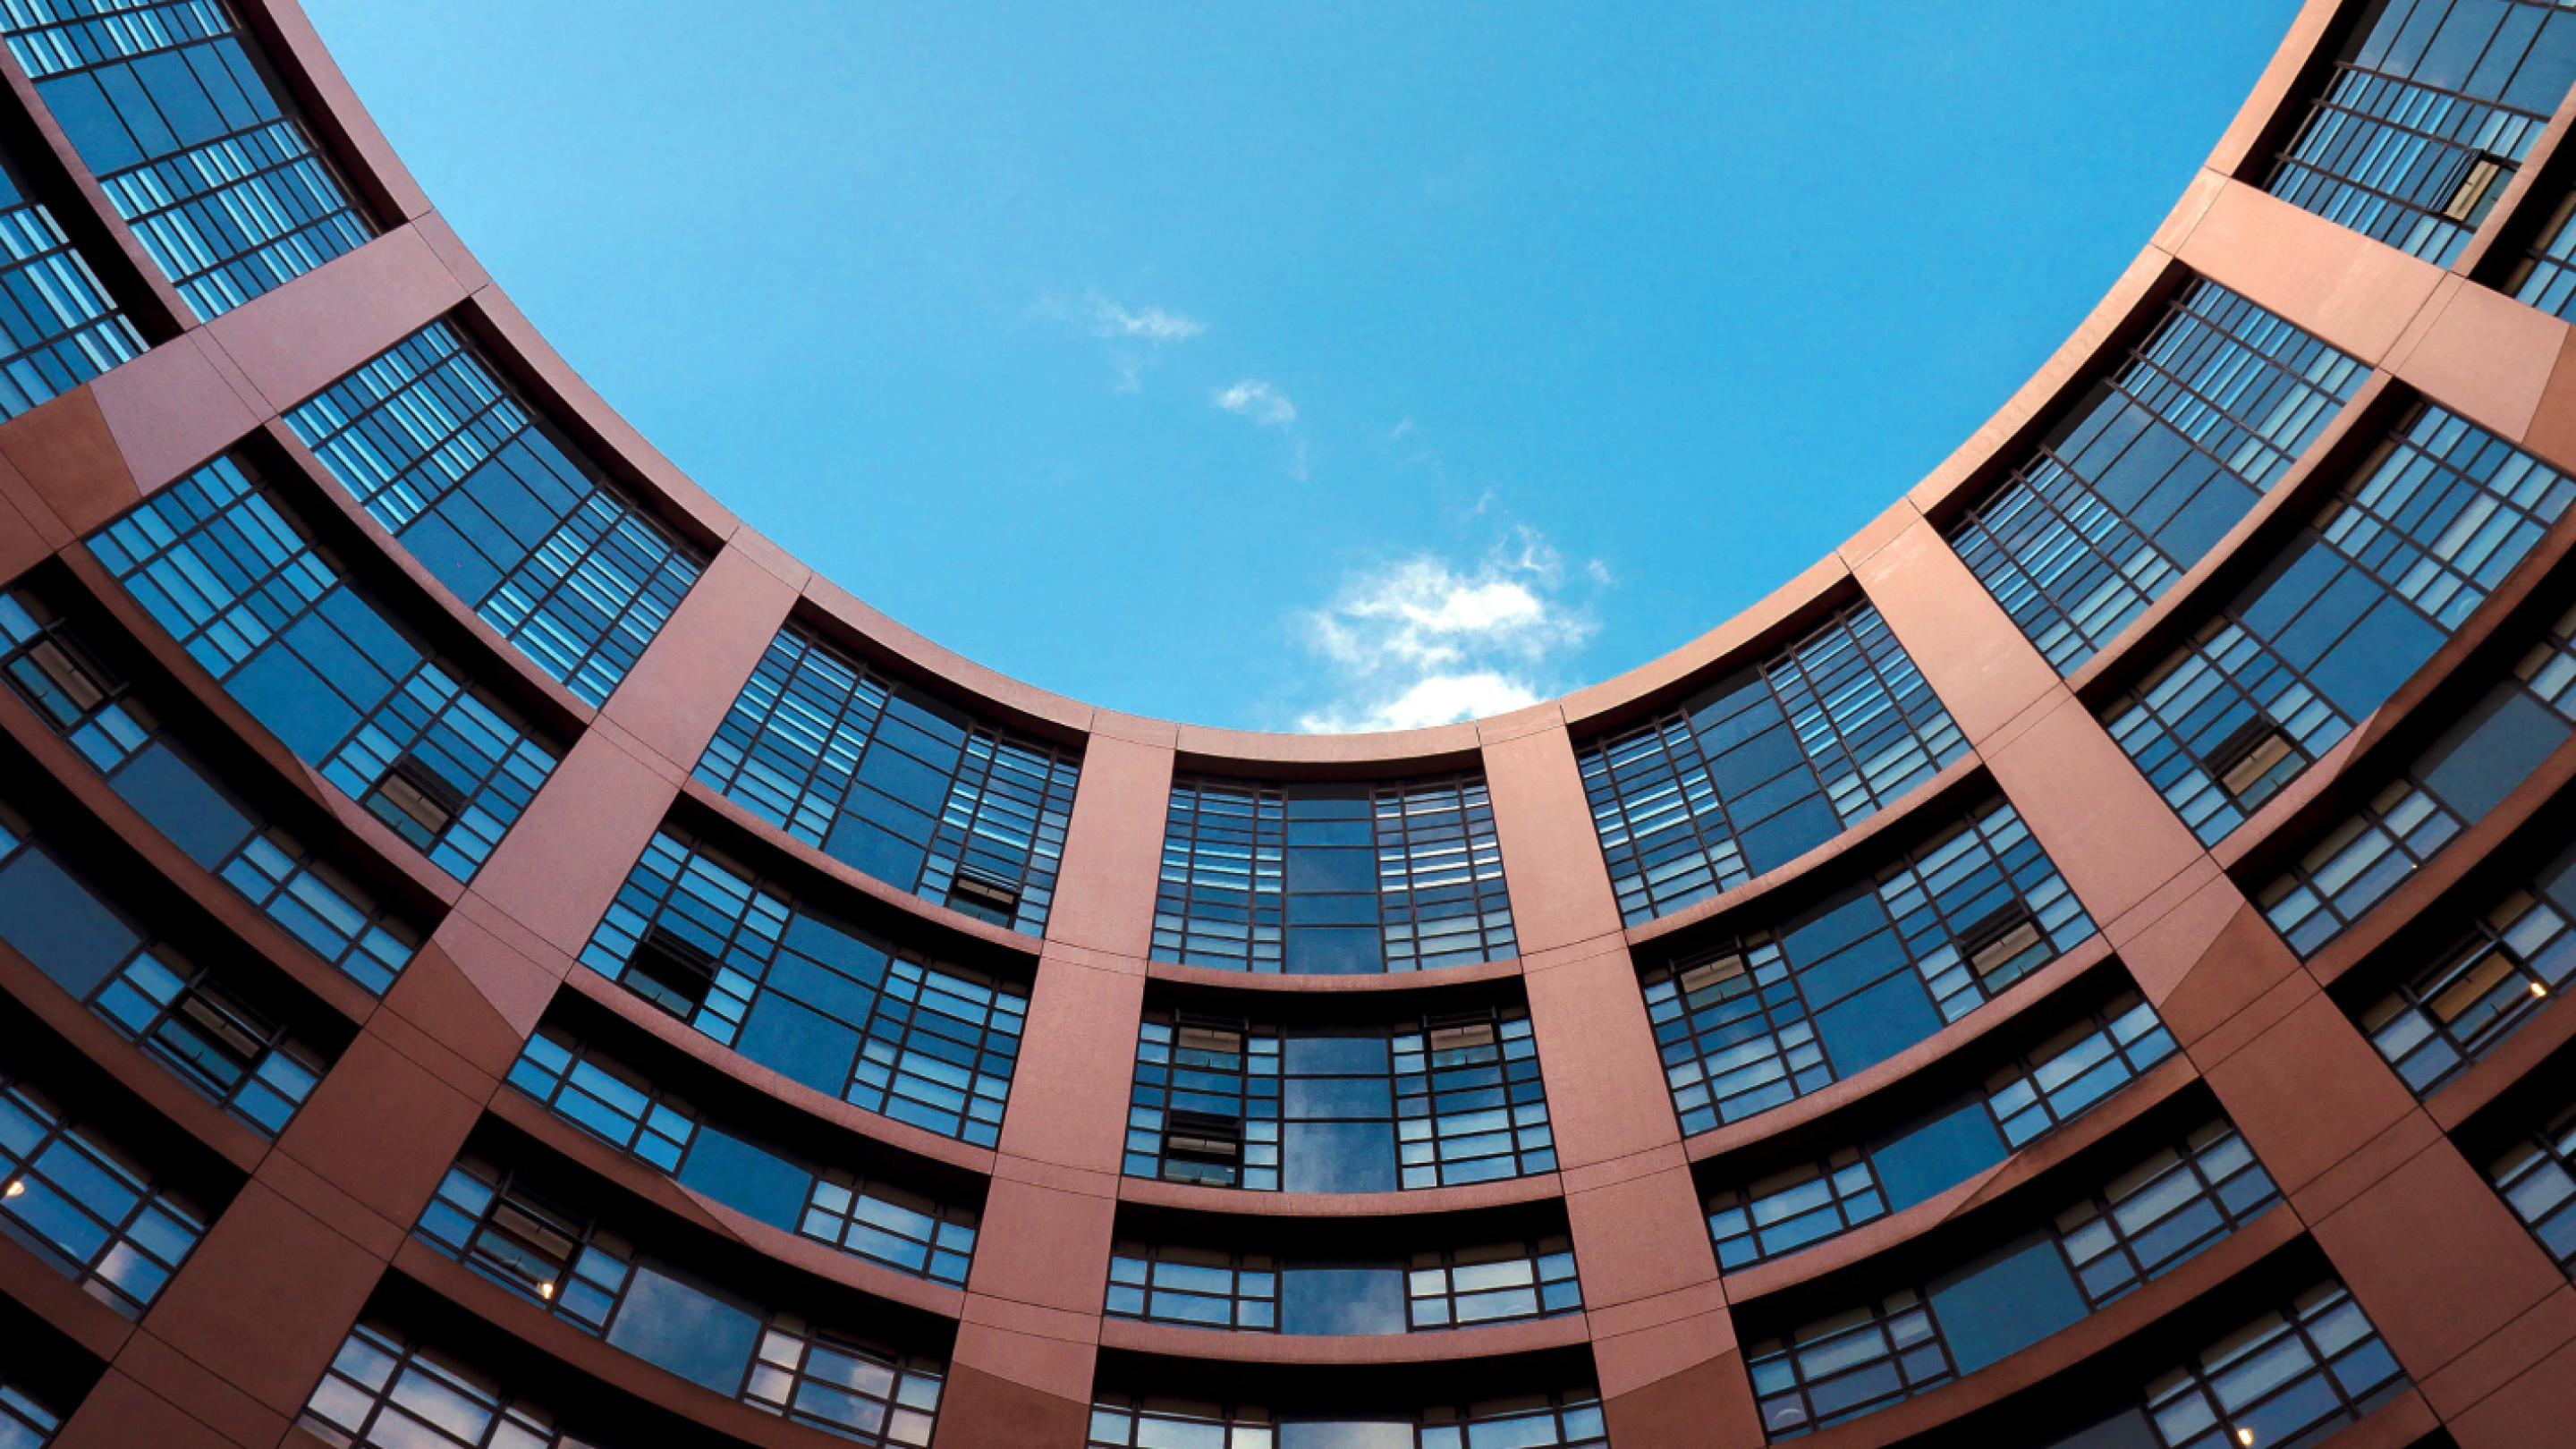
(1259, 401)
(1422, 642)
(1153, 324)
(1135, 335)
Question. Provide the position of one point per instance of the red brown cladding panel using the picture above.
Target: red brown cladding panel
(121, 1413)
(1113, 850)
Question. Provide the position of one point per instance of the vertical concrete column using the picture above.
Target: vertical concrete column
(530, 910)
(1022, 1374)
(1663, 1342)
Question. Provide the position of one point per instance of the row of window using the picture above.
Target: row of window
(2139, 1224)
(2452, 785)
(25, 1421)
(1568, 1420)
(1934, 1150)
(1774, 1014)
(2428, 113)
(206, 1025)
(51, 665)
(1261, 1292)
(93, 1210)
(902, 1229)
(561, 1258)
(818, 1000)
(1331, 879)
(1349, 1107)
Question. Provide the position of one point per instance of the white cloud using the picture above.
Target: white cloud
(1259, 401)
(1441, 699)
(1420, 642)
(1153, 324)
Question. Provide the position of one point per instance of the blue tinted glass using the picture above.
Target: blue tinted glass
(1335, 950)
(1339, 1156)
(1877, 1024)
(751, 1179)
(182, 804)
(1930, 1159)
(218, 562)
(1342, 1298)
(520, 525)
(59, 924)
(676, 1322)
(940, 1041)
(1351, 1434)
(1340, 1097)
(2005, 1301)
(1327, 1055)
(804, 1045)
(1331, 880)
(2479, 760)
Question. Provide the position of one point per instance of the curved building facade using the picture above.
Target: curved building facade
(494, 953)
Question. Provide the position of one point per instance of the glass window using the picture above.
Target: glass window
(1849, 1364)
(174, 113)
(1259, 1292)
(2312, 1364)
(1875, 968)
(195, 1021)
(516, 521)
(1439, 1102)
(552, 1256)
(2003, 1301)
(1492, 1284)
(1948, 1146)
(2425, 118)
(840, 1009)
(2445, 790)
(25, 1421)
(222, 565)
(2069, 1073)
(384, 1388)
(58, 325)
(170, 786)
(2545, 277)
(1570, 1420)
(1759, 768)
(91, 1209)
(2470, 998)
(843, 1386)
(1331, 879)
(2155, 1216)
(2537, 1179)
(1199, 1287)
(893, 783)
(2348, 610)
(2135, 483)
(675, 1320)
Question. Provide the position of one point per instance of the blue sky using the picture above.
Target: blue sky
(1305, 366)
